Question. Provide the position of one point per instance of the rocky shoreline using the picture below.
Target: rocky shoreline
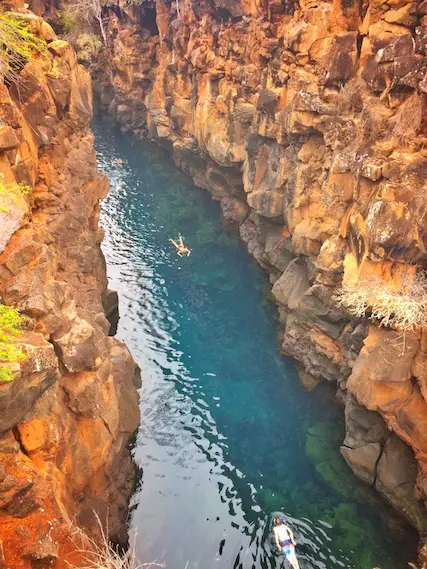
(304, 120)
(67, 417)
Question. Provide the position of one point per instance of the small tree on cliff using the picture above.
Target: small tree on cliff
(90, 10)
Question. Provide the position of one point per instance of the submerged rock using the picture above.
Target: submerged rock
(308, 381)
(321, 442)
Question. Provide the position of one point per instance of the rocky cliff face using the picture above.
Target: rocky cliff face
(66, 419)
(306, 121)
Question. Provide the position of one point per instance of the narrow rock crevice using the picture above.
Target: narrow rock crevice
(376, 465)
(18, 439)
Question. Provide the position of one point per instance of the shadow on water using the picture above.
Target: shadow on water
(227, 435)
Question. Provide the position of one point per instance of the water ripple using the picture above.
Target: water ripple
(223, 432)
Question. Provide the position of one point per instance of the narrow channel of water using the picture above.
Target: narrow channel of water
(227, 435)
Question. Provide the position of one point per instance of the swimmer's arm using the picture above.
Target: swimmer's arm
(291, 535)
(175, 243)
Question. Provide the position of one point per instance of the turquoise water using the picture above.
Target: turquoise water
(227, 435)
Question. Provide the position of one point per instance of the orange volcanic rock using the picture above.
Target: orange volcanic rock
(67, 416)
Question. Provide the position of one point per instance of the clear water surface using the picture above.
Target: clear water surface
(227, 435)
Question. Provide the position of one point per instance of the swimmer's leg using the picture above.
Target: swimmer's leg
(293, 559)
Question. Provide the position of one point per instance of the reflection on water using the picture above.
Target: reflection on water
(227, 435)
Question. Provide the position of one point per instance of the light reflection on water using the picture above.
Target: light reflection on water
(223, 436)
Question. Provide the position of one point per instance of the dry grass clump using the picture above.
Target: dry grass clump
(402, 310)
(102, 554)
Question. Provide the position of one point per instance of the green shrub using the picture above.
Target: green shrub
(11, 323)
(87, 48)
(17, 45)
(10, 192)
(68, 20)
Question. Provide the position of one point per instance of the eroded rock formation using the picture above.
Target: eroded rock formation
(66, 419)
(306, 120)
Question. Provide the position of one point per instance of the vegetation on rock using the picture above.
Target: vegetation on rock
(10, 192)
(88, 11)
(68, 20)
(80, 31)
(17, 45)
(87, 47)
(402, 309)
(11, 323)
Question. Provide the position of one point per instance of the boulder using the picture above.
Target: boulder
(8, 138)
(381, 374)
(17, 478)
(127, 380)
(396, 479)
(363, 460)
(267, 204)
(400, 46)
(110, 303)
(11, 218)
(342, 59)
(39, 371)
(404, 16)
(366, 432)
(80, 105)
(42, 553)
(77, 348)
(292, 285)
(308, 381)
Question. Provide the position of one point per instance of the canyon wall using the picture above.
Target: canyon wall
(306, 121)
(67, 417)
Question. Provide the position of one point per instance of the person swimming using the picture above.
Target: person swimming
(182, 249)
(285, 541)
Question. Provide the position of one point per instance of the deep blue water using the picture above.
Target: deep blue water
(227, 435)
